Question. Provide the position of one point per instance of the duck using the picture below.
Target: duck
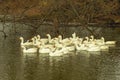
(30, 50)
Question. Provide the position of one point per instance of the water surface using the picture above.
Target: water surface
(75, 66)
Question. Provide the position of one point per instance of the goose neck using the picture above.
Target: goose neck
(60, 38)
(22, 40)
(38, 37)
(103, 39)
(49, 38)
(33, 40)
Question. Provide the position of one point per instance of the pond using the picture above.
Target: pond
(104, 65)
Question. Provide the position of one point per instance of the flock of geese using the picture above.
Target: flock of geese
(58, 46)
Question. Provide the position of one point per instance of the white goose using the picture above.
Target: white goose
(37, 42)
(50, 40)
(25, 43)
(107, 42)
(92, 38)
(65, 41)
(74, 35)
(104, 47)
(70, 48)
(30, 50)
(81, 47)
(93, 47)
(45, 40)
(86, 41)
(58, 45)
(110, 42)
(100, 41)
(46, 48)
(56, 53)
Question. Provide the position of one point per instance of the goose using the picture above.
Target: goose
(100, 41)
(81, 47)
(36, 41)
(65, 41)
(65, 49)
(25, 43)
(45, 40)
(94, 48)
(50, 40)
(79, 41)
(38, 37)
(46, 49)
(58, 52)
(109, 42)
(58, 45)
(30, 50)
(86, 41)
(70, 48)
(92, 37)
(104, 47)
(74, 35)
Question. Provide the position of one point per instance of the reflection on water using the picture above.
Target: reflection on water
(104, 65)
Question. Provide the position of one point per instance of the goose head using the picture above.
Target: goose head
(80, 40)
(49, 36)
(103, 38)
(87, 38)
(60, 37)
(92, 37)
(21, 38)
(74, 35)
(38, 36)
(35, 38)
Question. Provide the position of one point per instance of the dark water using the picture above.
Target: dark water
(75, 66)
